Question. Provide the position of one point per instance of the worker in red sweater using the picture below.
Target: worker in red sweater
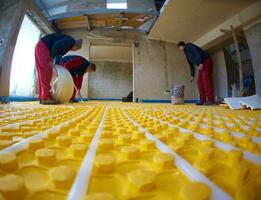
(48, 51)
(77, 66)
(198, 57)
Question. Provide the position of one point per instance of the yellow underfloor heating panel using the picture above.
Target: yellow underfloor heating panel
(126, 151)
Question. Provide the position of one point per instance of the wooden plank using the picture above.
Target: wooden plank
(120, 22)
(98, 23)
(89, 28)
(102, 20)
(71, 19)
(134, 19)
(103, 16)
(71, 25)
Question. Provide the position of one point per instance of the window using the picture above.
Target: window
(117, 4)
(22, 81)
(58, 10)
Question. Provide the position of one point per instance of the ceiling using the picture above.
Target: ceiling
(189, 20)
(91, 14)
(119, 21)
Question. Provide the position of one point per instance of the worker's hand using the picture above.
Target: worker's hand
(191, 79)
(200, 67)
(55, 73)
(51, 64)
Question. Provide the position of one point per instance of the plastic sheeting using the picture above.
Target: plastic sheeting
(22, 82)
(62, 84)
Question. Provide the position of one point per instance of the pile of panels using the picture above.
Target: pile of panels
(107, 151)
(251, 102)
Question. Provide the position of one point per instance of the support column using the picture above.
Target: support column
(12, 14)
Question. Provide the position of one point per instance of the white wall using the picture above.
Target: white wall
(220, 83)
(253, 36)
(112, 80)
(113, 53)
(157, 65)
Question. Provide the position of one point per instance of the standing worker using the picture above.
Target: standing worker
(197, 56)
(48, 51)
(77, 66)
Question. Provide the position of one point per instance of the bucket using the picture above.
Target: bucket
(177, 96)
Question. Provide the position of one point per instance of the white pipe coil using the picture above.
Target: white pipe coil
(62, 84)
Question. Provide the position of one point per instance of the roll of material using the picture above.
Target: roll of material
(62, 84)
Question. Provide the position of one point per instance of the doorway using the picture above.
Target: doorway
(22, 80)
(233, 68)
(113, 78)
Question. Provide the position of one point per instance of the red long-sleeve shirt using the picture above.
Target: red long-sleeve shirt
(77, 66)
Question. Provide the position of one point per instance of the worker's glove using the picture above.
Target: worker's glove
(57, 59)
(191, 79)
(55, 72)
(51, 65)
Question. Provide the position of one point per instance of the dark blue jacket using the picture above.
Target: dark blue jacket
(195, 56)
(58, 44)
(76, 65)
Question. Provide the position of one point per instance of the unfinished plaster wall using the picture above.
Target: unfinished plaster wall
(84, 52)
(220, 83)
(157, 65)
(119, 53)
(112, 80)
(253, 36)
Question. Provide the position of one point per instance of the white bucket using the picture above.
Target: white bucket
(62, 85)
(177, 96)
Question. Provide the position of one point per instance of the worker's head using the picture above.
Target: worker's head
(181, 45)
(77, 45)
(91, 68)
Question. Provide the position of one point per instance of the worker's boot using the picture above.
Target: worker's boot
(209, 103)
(73, 101)
(49, 101)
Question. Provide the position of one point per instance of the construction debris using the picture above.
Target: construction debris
(253, 102)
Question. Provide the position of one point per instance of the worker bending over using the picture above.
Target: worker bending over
(77, 66)
(197, 56)
(48, 51)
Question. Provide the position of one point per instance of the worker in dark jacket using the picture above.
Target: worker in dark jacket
(77, 66)
(48, 52)
(198, 57)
